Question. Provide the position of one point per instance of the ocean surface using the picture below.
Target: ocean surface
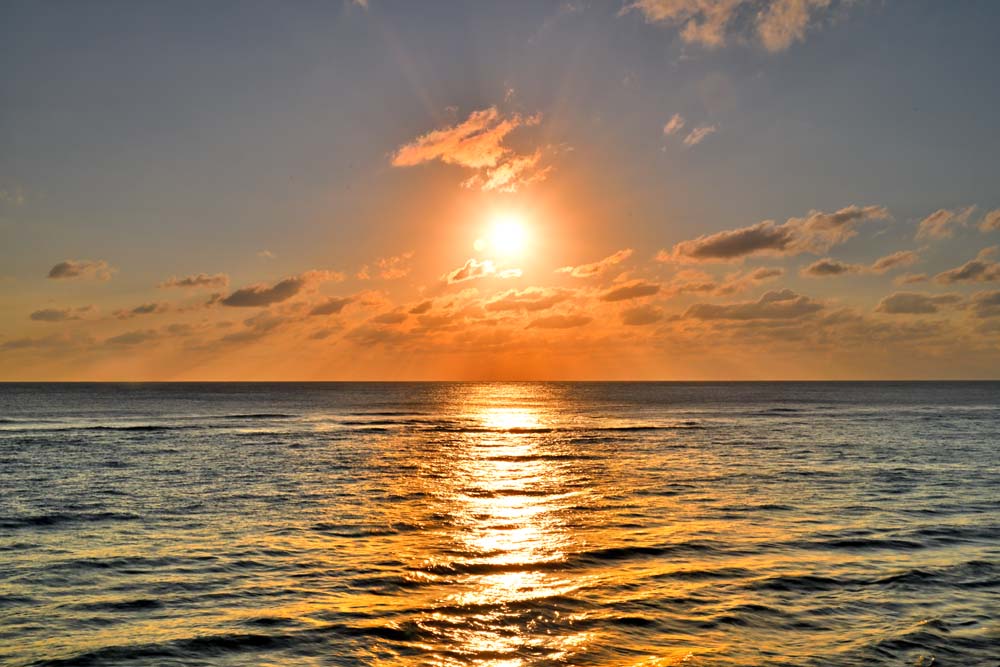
(500, 525)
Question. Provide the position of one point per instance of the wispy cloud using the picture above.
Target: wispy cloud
(698, 134)
(477, 143)
(675, 124)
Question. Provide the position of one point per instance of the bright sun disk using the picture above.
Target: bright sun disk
(509, 235)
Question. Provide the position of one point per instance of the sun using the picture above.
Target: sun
(509, 235)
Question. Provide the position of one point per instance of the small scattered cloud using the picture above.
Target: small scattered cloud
(266, 254)
(674, 125)
(82, 269)
(560, 322)
(699, 134)
(393, 268)
(132, 338)
(775, 24)
(990, 221)
(827, 266)
(598, 267)
(775, 305)
(915, 303)
(986, 304)
(59, 314)
(144, 309)
(477, 143)
(631, 290)
(256, 296)
(198, 280)
(979, 270)
(421, 308)
(941, 224)
(642, 315)
(895, 260)
(332, 306)
(911, 278)
(815, 233)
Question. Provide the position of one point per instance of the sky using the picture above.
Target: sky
(421, 190)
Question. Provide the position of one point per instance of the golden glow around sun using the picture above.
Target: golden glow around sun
(508, 236)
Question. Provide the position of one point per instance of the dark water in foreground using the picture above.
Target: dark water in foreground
(500, 524)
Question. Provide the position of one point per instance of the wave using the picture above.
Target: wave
(60, 518)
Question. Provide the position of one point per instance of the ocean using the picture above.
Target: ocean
(500, 525)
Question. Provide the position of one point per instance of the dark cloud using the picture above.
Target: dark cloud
(815, 233)
(215, 281)
(82, 269)
(915, 303)
(262, 295)
(775, 305)
(474, 269)
(632, 290)
(53, 315)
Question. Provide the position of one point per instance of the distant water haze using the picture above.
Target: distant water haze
(500, 524)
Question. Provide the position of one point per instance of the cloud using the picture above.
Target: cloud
(263, 295)
(144, 309)
(632, 290)
(827, 266)
(266, 254)
(560, 322)
(331, 306)
(530, 299)
(392, 317)
(598, 267)
(941, 224)
(215, 281)
(986, 304)
(698, 134)
(815, 233)
(58, 314)
(991, 221)
(978, 270)
(675, 124)
(132, 338)
(477, 143)
(775, 305)
(392, 268)
(474, 269)
(82, 269)
(915, 303)
(642, 315)
(777, 24)
(421, 308)
(894, 261)
(911, 278)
